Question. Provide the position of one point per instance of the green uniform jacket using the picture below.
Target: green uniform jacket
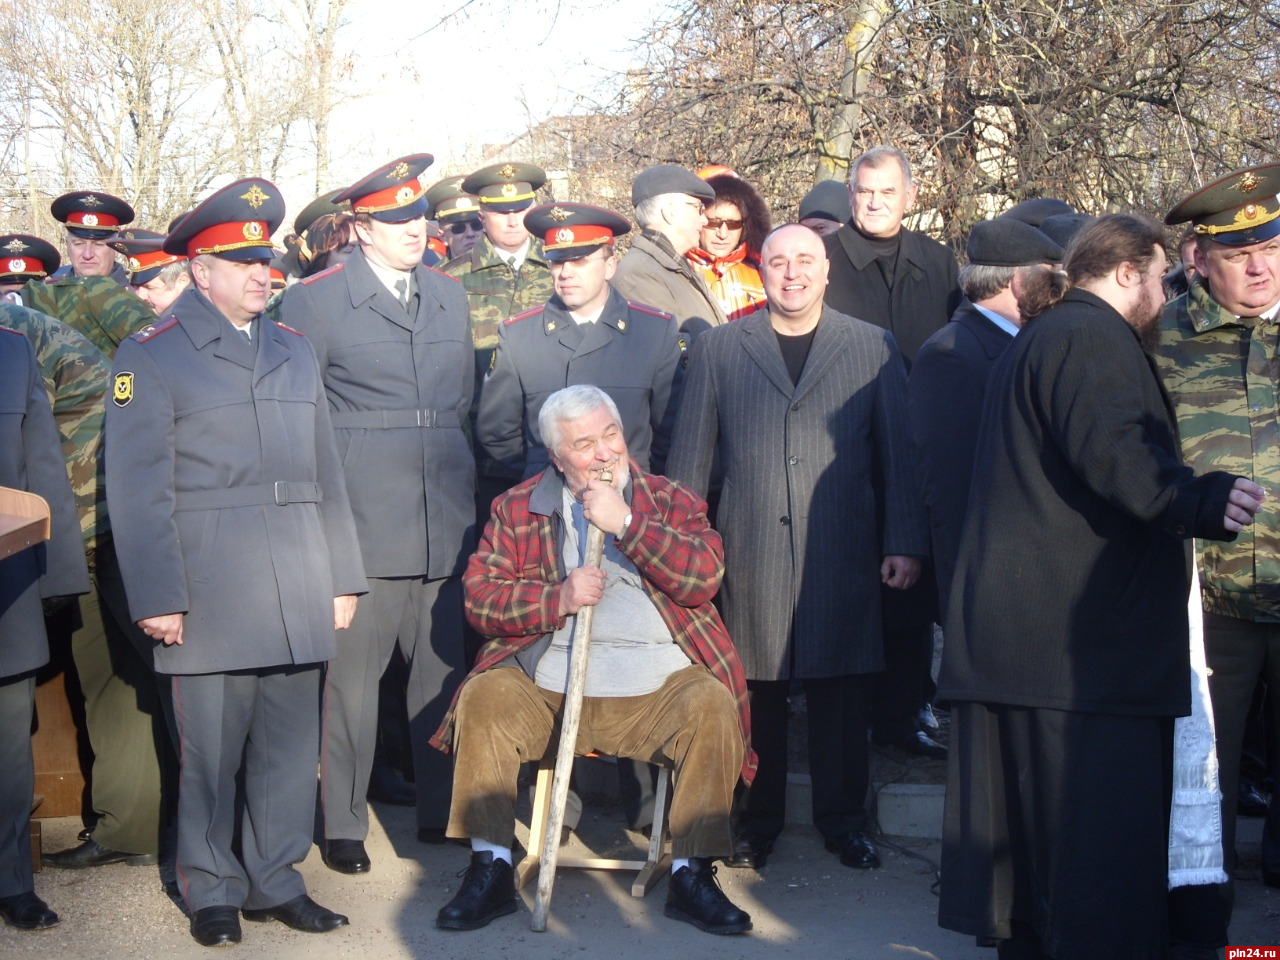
(75, 375)
(495, 293)
(1221, 372)
(96, 306)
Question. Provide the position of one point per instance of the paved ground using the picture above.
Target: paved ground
(804, 905)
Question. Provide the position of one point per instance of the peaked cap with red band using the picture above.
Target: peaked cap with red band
(570, 231)
(392, 193)
(91, 215)
(144, 255)
(24, 257)
(234, 223)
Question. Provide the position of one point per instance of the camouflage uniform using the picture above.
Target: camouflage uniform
(112, 657)
(1221, 371)
(495, 293)
(96, 306)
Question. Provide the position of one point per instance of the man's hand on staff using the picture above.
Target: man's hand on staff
(604, 506)
(582, 588)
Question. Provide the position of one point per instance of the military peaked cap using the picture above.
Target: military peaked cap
(393, 192)
(1237, 209)
(91, 215)
(24, 257)
(234, 223)
(573, 230)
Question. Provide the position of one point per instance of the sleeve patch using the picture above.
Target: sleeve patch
(122, 389)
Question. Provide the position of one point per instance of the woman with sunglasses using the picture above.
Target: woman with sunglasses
(728, 251)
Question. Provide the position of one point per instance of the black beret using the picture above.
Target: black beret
(1062, 228)
(1035, 210)
(1009, 243)
(829, 200)
(669, 178)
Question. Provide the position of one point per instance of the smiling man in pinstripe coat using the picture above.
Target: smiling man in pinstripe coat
(819, 507)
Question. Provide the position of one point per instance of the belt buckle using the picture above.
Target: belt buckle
(282, 493)
(426, 418)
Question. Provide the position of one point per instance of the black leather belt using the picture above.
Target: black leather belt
(281, 493)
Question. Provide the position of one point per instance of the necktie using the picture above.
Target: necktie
(402, 292)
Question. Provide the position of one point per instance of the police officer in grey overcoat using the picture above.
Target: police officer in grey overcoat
(586, 333)
(394, 344)
(30, 460)
(240, 558)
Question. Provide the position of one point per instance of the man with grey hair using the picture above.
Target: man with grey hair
(663, 684)
(949, 378)
(903, 281)
(669, 202)
(155, 275)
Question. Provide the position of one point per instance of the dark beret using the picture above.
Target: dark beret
(1035, 210)
(1009, 243)
(669, 178)
(829, 200)
(1062, 228)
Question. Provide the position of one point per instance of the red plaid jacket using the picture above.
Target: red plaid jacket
(513, 580)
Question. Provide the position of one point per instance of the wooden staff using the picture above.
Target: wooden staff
(572, 713)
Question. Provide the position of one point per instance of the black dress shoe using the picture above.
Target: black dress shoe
(920, 744)
(750, 851)
(488, 891)
(216, 926)
(387, 786)
(345, 856)
(300, 913)
(84, 834)
(1250, 801)
(693, 896)
(855, 849)
(93, 854)
(26, 911)
(926, 721)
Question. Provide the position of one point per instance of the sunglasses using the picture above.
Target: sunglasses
(460, 228)
(715, 224)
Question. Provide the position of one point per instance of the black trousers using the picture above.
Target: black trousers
(838, 756)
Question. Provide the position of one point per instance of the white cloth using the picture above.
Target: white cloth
(1195, 821)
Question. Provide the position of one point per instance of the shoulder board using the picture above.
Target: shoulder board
(652, 311)
(532, 312)
(447, 276)
(285, 326)
(151, 329)
(336, 268)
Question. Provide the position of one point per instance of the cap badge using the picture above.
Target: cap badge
(559, 214)
(1251, 211)
(404, 195)
(564, 235)
(508, 189)
(400, 171)
(91, 201)
(465, 203)
(507, 172)
(15, 246)
(134, 265)
(255, 197)
(128, 235)
(89, 220)
(252, 230)
(17, 266)
(1248, 182)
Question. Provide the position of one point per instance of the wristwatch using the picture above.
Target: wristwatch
(626, 522)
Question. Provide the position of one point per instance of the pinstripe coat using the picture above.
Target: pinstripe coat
(804, 531)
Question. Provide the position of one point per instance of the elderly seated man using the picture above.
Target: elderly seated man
(664, 683)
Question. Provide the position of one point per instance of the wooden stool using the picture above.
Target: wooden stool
(648, 871)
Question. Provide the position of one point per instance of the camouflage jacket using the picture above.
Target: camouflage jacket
(495, 293)
(76, 375)
(1222, 373)
(98, 307)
